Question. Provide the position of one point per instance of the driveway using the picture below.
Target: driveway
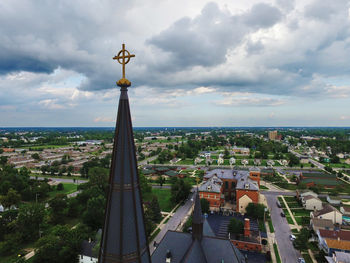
(282, 231)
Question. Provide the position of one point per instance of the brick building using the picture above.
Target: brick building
(238, 187)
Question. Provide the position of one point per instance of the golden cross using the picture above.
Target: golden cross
(121, 58)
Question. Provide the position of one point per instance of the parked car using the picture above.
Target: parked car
(301, 260)
(292, 237)
(278, 204)
(283, 215)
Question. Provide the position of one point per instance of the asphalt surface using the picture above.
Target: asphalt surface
(282, 231)
(173, 222)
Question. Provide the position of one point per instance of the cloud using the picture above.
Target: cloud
(248, 99)
(104, 119)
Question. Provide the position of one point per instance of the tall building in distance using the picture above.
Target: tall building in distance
(124, 237)
(273, 136)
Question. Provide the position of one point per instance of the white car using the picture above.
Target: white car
(301, 260)
(292, 237)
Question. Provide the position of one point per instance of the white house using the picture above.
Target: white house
(311, 203)
(328, 212)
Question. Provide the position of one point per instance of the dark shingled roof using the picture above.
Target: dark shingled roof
(200, 247)
(124, 236)
(184, 249)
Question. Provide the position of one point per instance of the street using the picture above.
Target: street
(282, 231)
(173, 222)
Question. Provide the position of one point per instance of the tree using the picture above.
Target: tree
(205, 205)
(61, 245)
(301, 241)
(70, 170)
(180, 190)
(12, 198)
(30, 217)
(58, 204)
(156, 216)
(94, 214)
(99, 176)
(35, 156)
(256, 210)
(235, 226)
(160, 180)
(1, 150)
(60, 187)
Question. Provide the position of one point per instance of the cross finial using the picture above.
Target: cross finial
(123, 58)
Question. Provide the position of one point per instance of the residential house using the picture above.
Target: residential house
(247, 192)
(311, 203)
(333, 240)
(339, 257)
(328, 212)
(333, 200)
(301, 194)
(317, 224)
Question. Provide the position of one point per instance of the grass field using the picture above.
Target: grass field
(68, 189)
(163, 198)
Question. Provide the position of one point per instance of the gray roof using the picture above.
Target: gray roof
(322, 223)
(325, 210)
(185, 249)
(247, 184)
(342, 256)
(210, 186)
(124, 236)
(207, 230)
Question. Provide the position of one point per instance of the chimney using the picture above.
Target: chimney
(246, 227)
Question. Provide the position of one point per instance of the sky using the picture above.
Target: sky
(197, 63)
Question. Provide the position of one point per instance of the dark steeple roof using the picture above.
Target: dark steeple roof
(197, 220)
(124, 237)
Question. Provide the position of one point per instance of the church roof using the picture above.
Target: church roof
(184, 249)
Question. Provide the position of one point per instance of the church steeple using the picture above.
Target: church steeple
(197, 219)
(124, 237)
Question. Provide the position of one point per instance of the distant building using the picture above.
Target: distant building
(273, 136)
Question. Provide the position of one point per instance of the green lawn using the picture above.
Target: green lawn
(163, 198)
(290, 199)
(289, 220)
(300, 212)
(293, 205)
(307, 257)
(278, 259)
(68, 189)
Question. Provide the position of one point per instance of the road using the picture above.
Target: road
(173, 222)
(282, 231)
(150, 159)
(317, 164)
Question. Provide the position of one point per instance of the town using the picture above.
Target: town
(278, 194)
